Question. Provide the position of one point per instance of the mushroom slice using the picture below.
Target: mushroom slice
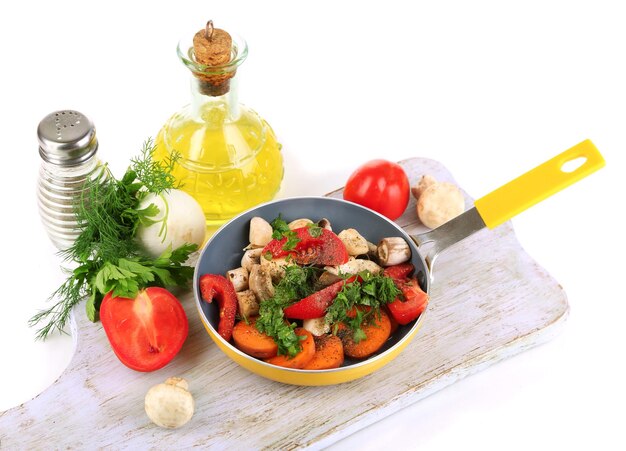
(328, 277)
(260, 232)
(276, 267)
(372, 250)
(317, 326)
(354, 266)
(251, 257)
(260, 282)
(354, 242)
(297, 223)
(239, 278)
(393, 251)
(248, 304)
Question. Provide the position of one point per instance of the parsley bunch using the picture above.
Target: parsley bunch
(106, 254)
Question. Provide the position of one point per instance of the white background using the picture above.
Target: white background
(488, 88)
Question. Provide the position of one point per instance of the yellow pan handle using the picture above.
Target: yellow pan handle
(538, 184)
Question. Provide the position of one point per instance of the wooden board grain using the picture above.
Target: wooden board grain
(489, 301)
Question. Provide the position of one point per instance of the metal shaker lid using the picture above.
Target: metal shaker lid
(66, 138)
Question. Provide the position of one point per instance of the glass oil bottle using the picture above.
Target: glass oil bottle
(230, 159)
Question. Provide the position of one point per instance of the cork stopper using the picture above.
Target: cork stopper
(213, 48)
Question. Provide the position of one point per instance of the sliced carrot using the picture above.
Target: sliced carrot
(328, 353)
(300, 359)
(376, 331)
(257, 344)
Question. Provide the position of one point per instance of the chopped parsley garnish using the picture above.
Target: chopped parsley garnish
(280, 227)
(374, 291)
(292, 241)
(297, 284)
(315, 230)
(281, 230)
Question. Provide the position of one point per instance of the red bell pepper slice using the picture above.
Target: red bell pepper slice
(325, 249)
(315, 305)
(218, 286)
(414, 303)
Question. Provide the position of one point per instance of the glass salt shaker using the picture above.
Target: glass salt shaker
(67, 146)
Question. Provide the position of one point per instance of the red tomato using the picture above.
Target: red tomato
(399, 272)
(146, 332)
(326, 249)
(414, 303)
(315, 305)
(381, 186)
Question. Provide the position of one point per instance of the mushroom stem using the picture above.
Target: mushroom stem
(424, 182)
(297, 223)
(393, 251)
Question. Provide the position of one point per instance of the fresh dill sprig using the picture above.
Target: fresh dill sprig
(156, 176)
(107, 256)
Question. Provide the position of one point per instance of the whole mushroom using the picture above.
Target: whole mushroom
(170, 404)
(437, 202)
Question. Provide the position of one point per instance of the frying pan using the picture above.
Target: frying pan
(224, 251)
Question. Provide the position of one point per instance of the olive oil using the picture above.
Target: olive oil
(227, 165)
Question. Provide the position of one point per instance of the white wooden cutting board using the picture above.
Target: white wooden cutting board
(489, 301)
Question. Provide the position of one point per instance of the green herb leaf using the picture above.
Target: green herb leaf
(91, 308)
(280, 227)
(292, 241)
(155, 176)
(281, 230)
(315, 230)
(145, 215)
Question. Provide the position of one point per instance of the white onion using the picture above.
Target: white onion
(184, 222)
